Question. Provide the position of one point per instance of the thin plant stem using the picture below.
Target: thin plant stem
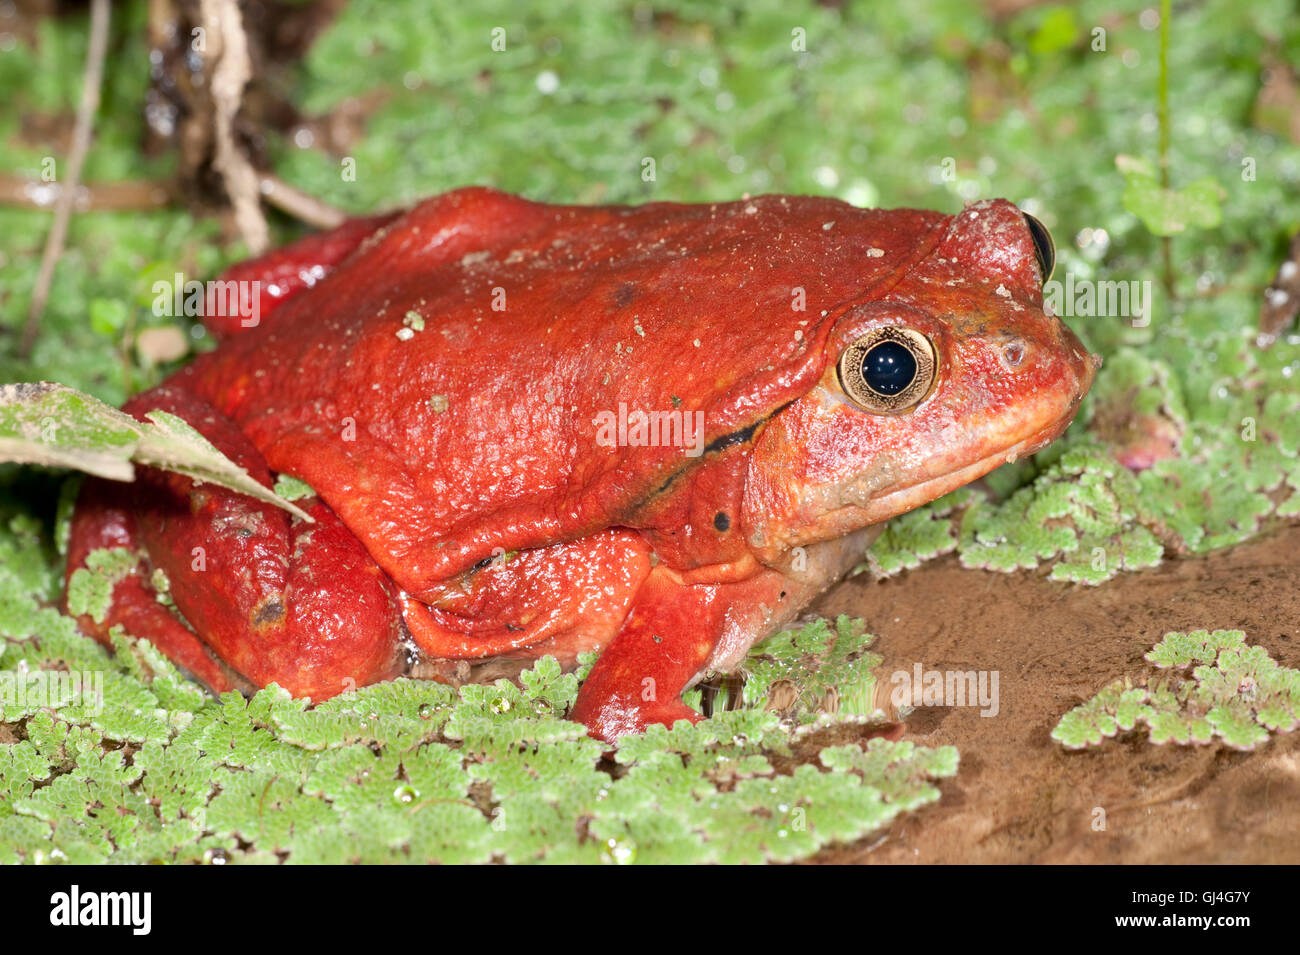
(1166, 242)
(81, 133)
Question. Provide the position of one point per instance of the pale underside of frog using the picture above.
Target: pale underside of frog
(656, 432)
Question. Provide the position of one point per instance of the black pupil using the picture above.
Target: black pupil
(1043, 247)
(888, 368)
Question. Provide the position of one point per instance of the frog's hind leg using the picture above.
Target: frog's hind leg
(104, 519)
(263, 284)
(274, 598)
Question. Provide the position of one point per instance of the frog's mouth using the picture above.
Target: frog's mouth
(902, 500)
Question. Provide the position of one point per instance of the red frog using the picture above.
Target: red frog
(656, 432)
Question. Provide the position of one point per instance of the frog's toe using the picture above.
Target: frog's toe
(615, 718)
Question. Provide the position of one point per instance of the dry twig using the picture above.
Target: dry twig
(91, 80)
(224, 26)
(124, 196)
(300, 205)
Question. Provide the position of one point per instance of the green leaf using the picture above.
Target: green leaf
(1059, 30)
(49, 424)
(1169, 211)
(291, 489)
(53, 425)
(90, 588)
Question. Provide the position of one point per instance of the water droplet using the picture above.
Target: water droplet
(826, 177)
(620, 852)
(547, 82)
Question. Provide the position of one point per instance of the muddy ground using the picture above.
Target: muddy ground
(1020, 797)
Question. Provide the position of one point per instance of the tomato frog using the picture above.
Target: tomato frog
(656, 432)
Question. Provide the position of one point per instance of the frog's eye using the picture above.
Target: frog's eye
(1044, 247)
(888, 369)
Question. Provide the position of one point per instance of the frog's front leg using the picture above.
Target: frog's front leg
(276, 599)
(668, 639)
(683, 624)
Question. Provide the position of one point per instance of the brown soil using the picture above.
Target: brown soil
(1019, 796)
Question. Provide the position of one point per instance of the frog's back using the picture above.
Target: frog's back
(441, 388)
